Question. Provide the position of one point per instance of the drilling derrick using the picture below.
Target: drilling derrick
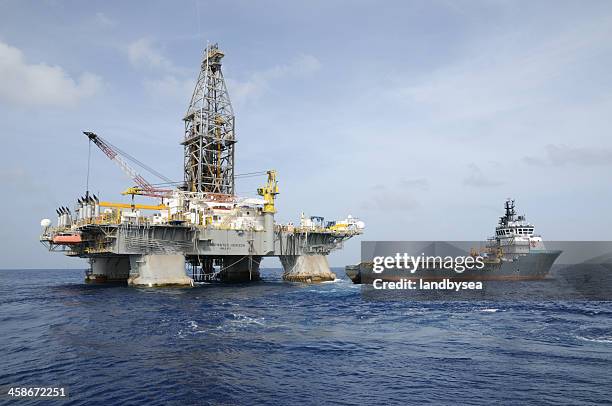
(209, 131)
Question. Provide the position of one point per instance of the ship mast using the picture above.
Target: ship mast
(209, 131)
(510, 212)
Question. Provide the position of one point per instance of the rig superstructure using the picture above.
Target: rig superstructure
(200, 227)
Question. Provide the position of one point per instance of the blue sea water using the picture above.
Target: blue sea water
(282, 343)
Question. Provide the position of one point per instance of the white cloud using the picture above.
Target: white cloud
(170, 87)
(176, 82)
(399, 197)
(414, 184)
(561, 155)
(477, 178)
(165, 79)
(388, 201)
(41, 84)
(15, 176)
(516, 71)
(104, 20)
(143, 53)
(259, 82)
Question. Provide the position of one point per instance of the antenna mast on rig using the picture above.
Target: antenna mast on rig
(209, 131)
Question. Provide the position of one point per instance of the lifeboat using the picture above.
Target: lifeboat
(68, 239)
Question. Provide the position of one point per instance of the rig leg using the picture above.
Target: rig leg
(158, 270)
(306, 268)
(108, 269)
(240, 269)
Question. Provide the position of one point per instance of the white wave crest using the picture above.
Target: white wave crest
(603, 340)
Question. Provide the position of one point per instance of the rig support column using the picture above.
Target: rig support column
(269, 232)
(306, 268)
(158, 270)
(240, 269)
(108, 269)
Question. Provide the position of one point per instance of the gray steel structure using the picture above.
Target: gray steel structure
(224, 254)
(209, 130)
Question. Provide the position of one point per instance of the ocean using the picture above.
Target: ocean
(279, 343)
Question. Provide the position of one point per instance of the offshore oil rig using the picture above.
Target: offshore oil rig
(198, 230)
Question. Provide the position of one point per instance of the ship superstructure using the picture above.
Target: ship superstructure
(514, 235)
(201, 223)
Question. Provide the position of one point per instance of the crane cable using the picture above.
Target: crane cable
(88, 166)
(137, 162)
(239, 176)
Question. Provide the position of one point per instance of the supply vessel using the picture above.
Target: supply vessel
(515, 252)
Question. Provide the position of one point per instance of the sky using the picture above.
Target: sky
(418, 117)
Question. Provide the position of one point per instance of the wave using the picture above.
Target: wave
(602, 339)
(243, 319)
(337, 280)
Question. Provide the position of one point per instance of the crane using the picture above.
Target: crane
(269, 192)
(143, 187)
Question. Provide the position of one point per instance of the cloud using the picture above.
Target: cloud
(16, 176)
(500, 75)
(176, 82)
(170, 87)
(258, 82)
(562, 155)
(104, 20)
(389, 201)
(165, 80)
(418, 184)
(477, 178)
(143, 53)
(398, 198)
(41, 84)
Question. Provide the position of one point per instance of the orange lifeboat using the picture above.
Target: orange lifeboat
(68, 239)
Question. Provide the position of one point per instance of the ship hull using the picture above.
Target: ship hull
(532, 266)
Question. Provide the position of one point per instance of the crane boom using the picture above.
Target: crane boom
(143, 187)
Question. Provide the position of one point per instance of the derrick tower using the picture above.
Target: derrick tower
(209, 130)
